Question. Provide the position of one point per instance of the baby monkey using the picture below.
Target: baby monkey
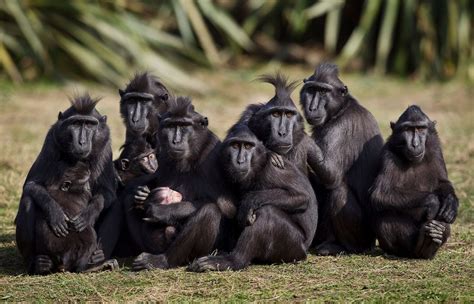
(76, 249)
(137, 158)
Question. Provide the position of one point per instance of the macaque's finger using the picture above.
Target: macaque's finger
(140, 198)
(277, 160)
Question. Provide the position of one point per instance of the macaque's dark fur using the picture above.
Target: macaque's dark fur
(131, 151)
(277, 207)
(194, 172)
(57, 157)
(73, 252)
(146, 83)
(408, 196)
(301, 153)
(350, 143)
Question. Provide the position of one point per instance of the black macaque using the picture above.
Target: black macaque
(141, 103)
(69, 187)
(78, 250)
(413, 199)
(280, 126)
(188, 164)
(278, 210)
(136, 159)
(350, 141)
(139, 159)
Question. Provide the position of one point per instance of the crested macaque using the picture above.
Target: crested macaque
(413, 200)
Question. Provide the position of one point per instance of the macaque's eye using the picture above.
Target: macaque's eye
(151, 156)
(90, 125)
(125, 163)
(247, 146)
(290, 114)
(145, 159)
(235, 145)
(276, 114)
(65, 186)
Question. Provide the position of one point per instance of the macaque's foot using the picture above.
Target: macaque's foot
(329, 248)
(43, 264)
(435, 230)
(111, 265)
(148, 261)
(214, 263)
(97, 257)
(170, 233)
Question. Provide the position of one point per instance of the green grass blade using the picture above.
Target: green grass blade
(465, 43)
(13, 6)
(10, 42)
(102, 50)
(163, 40)
(386, 35)
(170, 73)
(88, 60)
(226, 24)
(183, 24)
(9, 65)
(354, 44)
(322, 7)
(406, 47)
(202, 32)
(331, 28)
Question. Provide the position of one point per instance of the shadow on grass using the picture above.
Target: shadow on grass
(11, 262)
(373, 253)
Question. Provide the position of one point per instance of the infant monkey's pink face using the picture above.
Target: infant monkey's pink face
(167, 196)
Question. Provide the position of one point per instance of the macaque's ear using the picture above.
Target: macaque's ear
(392, 125)
(164, 97)
(204, 122)
(60, 115)
(103, 119)
(125, 163)
(121, 92)
(344, 91)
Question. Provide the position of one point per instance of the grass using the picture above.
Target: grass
(27, 112)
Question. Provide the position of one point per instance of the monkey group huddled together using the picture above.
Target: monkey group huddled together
(267, 193)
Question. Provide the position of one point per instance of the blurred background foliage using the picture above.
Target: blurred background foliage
(106, 40)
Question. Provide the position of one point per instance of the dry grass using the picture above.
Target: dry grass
(27, 112)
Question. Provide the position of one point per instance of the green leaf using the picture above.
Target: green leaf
(353, 45)
(386, 36)
(13, 6)
(88, 60)
(9, 65)
(322, 7)
(205, 38)
(331, 29)
(183, 24)
(225, 23)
